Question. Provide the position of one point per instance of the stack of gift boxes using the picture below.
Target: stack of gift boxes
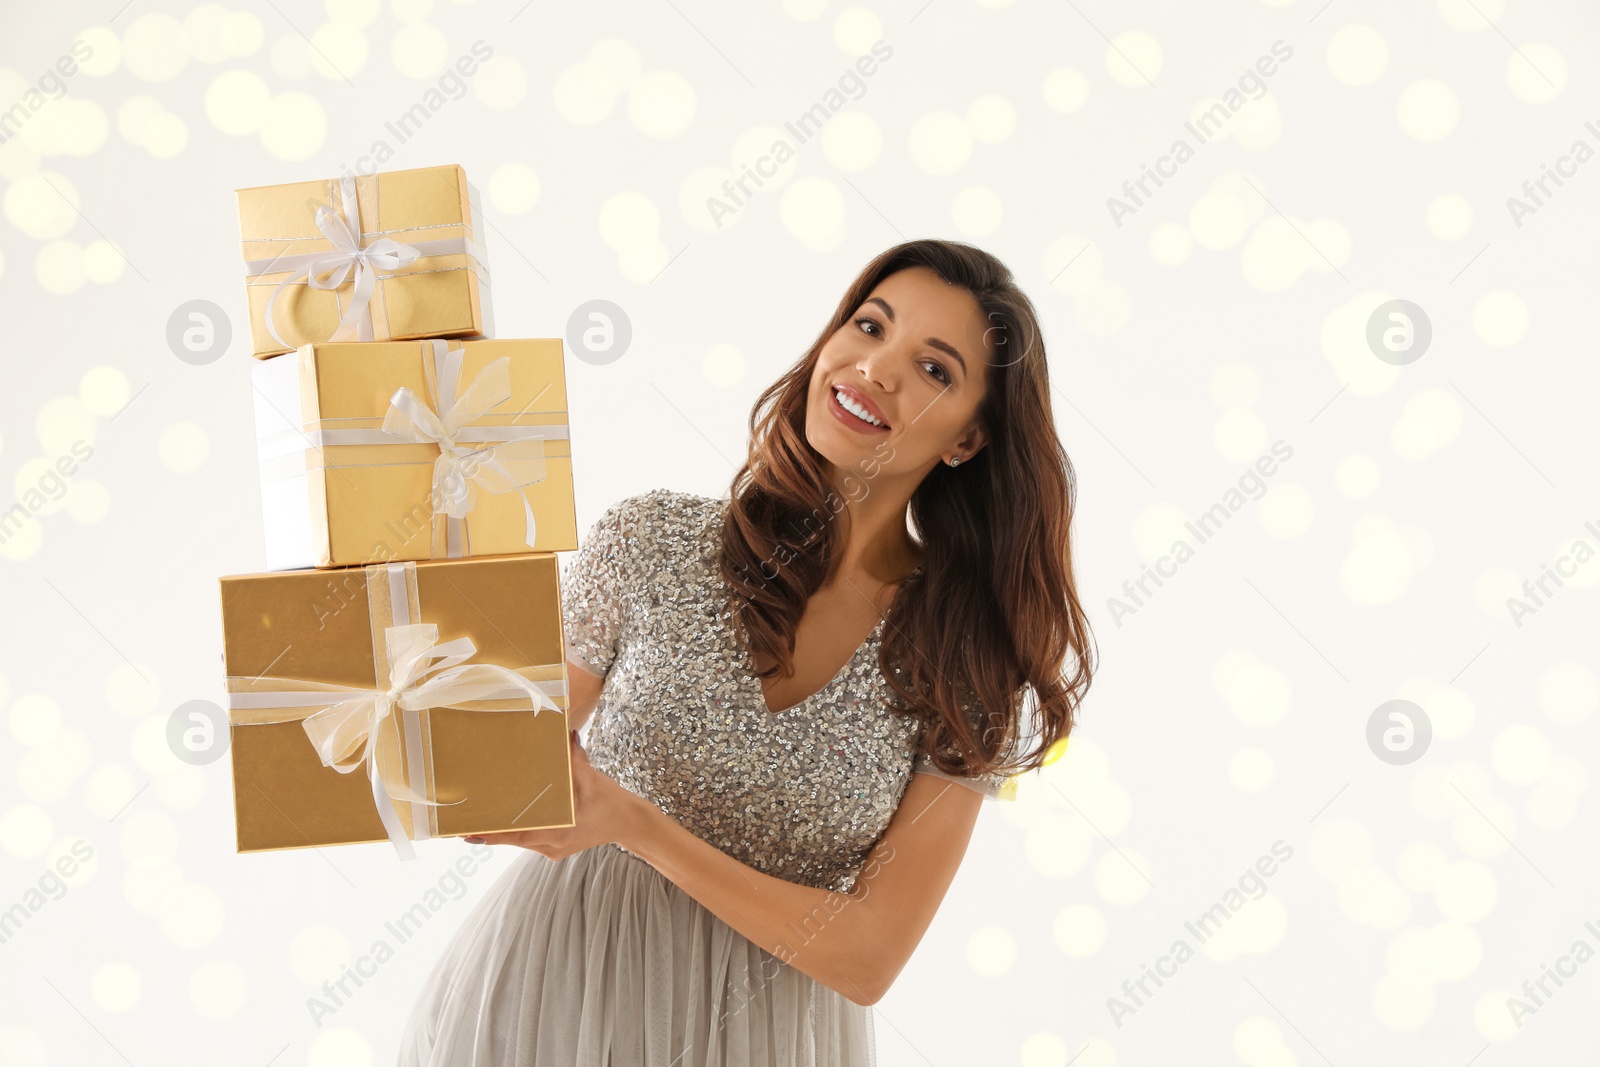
(397, 671)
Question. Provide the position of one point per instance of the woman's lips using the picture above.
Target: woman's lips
(844, 416)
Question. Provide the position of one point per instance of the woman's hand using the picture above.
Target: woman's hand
(602, 809)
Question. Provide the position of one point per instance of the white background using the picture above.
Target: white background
(1227, 313)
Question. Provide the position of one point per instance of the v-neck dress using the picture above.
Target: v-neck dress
(600, 959)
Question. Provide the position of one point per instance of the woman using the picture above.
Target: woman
(798, 706)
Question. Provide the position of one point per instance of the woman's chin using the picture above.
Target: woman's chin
(838, 449)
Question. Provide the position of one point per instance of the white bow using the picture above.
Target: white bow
(345, 734)
(501, 468)
(344, 231)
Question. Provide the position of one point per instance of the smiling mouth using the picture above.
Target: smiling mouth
(853, 414)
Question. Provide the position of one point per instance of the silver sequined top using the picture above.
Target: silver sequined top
(802, 795)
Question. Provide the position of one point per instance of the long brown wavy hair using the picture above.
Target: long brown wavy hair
(993, 612)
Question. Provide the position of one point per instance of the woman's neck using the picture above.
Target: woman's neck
(876, 544)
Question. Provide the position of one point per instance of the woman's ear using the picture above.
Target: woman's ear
(973, 440)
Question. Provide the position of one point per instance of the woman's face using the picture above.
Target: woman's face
(915, 357)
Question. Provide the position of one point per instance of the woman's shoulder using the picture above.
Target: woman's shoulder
(668, 521)
(668, 507)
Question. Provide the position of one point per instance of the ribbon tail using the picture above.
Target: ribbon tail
(531, 533)
(304, 275)
(390, 817)
(384, 795)
(512, 464)
(355, 324)
(495, 476)
(380, 799)
(479, 681)
(541, 700)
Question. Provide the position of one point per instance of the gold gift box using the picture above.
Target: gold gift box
(331, 505)
(442, 293)
(510, 770)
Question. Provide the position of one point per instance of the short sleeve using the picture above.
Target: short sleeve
(595, 587)
(992, 786)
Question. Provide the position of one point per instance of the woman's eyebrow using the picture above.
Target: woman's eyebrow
(931, 342)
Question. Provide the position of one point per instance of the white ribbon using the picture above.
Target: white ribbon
(414, 654)
(503, 468)
(328, 270)
(516, 460)
(345, 733)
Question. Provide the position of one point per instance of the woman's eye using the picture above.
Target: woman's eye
(937, 368)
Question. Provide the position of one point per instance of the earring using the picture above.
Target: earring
(953, 460)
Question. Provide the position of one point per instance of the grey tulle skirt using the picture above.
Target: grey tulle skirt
(598, 959)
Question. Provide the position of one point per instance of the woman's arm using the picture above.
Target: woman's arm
(856, 942)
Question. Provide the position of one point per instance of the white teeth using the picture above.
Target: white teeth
(855, 409)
